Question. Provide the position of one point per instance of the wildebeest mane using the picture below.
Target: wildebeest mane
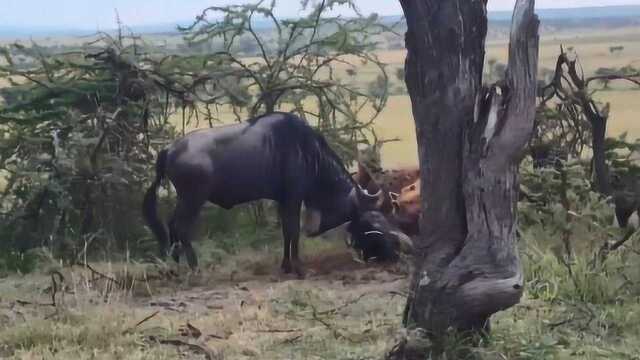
(329, 161)
(322, 162)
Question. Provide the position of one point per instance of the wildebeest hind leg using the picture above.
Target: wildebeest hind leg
(184, 219)
(290, 216)
(286, 257)
(174, 243)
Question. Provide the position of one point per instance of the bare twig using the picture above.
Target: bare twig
(201, 348)
(607, 248)
(99, 274)
(346, 304)
(54, 285)
(291, 340)
(141, 322)
(278, 330)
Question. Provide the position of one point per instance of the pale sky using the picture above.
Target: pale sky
(99, 14)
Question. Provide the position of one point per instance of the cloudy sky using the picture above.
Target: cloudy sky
(99, 14)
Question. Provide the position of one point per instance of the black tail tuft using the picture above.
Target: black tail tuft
(150, 206)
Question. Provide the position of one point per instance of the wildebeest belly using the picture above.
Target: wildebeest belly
(238, 181)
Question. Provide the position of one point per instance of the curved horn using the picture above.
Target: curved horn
(366, 192)
(405, 242)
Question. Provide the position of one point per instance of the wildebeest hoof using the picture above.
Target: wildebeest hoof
(297, 268)
(175, 254)
(286, 267)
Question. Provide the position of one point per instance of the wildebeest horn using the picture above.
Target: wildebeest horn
(406, 245)
(373, 232)
(366, 192)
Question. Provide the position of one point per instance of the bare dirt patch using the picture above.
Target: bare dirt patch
(343, 309)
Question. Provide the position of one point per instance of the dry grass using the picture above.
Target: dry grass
(243, 309)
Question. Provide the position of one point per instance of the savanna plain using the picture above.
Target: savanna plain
(239, 307)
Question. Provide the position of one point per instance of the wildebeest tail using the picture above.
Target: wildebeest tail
(150, 205)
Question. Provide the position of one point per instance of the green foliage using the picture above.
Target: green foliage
(79, 129)
(297, 66)
(234, 230)
(75, 147)
(12, 260)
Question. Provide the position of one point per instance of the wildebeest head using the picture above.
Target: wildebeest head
(376, 237)
(331, 211)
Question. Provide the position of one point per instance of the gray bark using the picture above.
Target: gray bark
(470, 141)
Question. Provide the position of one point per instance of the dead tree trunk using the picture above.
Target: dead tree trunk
(470, 140)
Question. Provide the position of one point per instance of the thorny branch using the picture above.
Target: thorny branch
(99, 274)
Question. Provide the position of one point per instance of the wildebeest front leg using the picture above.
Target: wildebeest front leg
(290, 217)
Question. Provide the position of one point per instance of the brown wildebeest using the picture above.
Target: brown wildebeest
(407, 208)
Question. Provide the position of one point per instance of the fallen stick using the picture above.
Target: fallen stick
(346, 304)
(101, 275)
(278, 330)
(141, 322)
(291, 340)
(206, 351)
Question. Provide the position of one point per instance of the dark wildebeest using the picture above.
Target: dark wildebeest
(378, 237)
(277, 157)
(626, 196)
(383, 233)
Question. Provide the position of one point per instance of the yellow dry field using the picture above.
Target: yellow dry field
(593, 50)
(592, 45)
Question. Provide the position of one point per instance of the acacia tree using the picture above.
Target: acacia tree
(76, 128)
(300, 65)
(471, 140)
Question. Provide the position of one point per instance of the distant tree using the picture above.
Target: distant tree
(615, 49)
(491, 62)
(605, 74)
(499, 71)
(400, 73)
(247, 46)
